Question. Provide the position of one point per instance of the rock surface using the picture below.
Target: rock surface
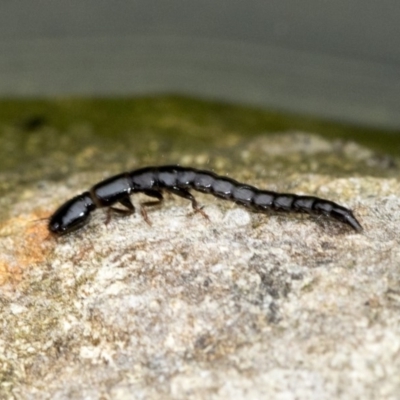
(242, 306)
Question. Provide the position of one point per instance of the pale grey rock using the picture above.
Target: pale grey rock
(242, 306)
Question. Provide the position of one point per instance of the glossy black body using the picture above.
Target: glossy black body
(152, 181)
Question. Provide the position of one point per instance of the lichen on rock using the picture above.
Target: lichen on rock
(245, 305)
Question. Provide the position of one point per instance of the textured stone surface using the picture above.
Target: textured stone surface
(242, 306)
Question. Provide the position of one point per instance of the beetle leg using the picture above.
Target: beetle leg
(130, 209)
(152, 193)
(187, 195)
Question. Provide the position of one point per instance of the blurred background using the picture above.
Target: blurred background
(338, 60)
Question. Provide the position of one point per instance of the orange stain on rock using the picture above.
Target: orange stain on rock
(24, 243)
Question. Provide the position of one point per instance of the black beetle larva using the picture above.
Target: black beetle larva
(177, 180)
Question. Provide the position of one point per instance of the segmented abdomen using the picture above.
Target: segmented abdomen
(249, 196)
